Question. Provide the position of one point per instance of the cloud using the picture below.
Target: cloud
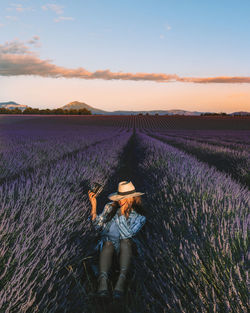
(18, 7)
(219, 79)
(34, 41)
(58, 9)
(16, 47)
(64, 18)
(167, 27)
(17, 59)
(11, 18)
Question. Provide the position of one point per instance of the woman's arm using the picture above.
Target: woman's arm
(92, 198)
(98, 220)
(127, 231)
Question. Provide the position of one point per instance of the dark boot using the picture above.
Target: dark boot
(103, 292)
(118, 292)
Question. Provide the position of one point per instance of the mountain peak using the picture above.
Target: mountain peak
(76, 105)
(12, 105)
(9, 102)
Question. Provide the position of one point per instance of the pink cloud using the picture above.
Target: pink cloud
(17, 59)
(58, 9)
(64, 18)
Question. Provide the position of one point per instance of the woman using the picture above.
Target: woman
(120, 220)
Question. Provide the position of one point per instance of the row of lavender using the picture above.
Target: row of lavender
(196, 247)
(236, 140)
(234, 161)
(219, 137)
(25, 148)
(40, 215)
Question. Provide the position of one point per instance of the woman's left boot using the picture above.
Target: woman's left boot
(103, 292)
(118, 292)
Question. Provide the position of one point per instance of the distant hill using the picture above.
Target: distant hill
(80, 105)
(13, 105)
(239, 113)
(76, 105)
(160, 112)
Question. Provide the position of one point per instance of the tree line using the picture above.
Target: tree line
(85, 112)
(45, 111)
(222, 113)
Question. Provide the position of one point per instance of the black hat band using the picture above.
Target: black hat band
(126, 192)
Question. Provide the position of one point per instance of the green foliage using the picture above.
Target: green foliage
(45, 111)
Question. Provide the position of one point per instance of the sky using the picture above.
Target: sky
(126, 55)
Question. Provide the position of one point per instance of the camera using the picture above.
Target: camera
(97, 188)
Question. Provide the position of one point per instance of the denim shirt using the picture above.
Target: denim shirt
(127, 227)
(118, 227)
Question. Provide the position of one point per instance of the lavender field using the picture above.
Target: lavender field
(194, 246)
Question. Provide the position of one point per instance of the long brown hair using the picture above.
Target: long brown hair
(136, 205)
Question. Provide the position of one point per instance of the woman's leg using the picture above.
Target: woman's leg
(125, 260)
(105, 262)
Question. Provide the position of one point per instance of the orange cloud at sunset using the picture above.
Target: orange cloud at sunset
(16, 59)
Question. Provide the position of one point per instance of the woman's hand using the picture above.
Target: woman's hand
(92, 198)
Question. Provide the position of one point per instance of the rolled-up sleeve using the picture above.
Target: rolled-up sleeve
(127, 231)
(100, 221)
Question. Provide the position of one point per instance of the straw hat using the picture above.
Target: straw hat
(125, 190)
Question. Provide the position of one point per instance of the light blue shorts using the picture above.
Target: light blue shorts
(112, 235)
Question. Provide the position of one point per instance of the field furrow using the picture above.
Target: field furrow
(233, 162)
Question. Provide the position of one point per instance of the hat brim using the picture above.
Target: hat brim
(115, 196)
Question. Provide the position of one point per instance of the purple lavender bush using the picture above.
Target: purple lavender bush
(234, 139)
(196, 249)
(233, 161)
(23, 148)
(194, 244)
(40, 215)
